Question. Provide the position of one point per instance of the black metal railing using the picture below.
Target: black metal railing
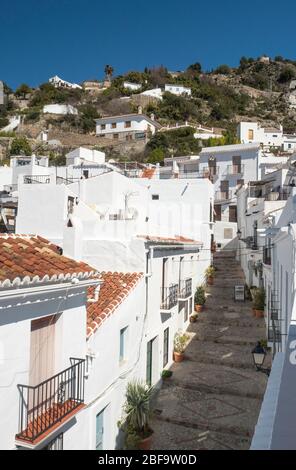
(267, 255)
(47, 403)
(281, 195)
(36, 179)
(185, 289)
(169, 297)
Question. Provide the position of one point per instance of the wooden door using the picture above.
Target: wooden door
(42, 347)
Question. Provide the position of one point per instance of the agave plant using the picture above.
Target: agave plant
(137, 407)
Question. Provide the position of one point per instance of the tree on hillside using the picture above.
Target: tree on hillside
(287, 74)
(20, 146)
(23, 90)
(223, 69)
(109, 70)
(194, 70)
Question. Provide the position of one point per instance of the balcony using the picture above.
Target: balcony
(235, 170)
(185, 289)
(46, 406)
(223, 196)
(169, 297)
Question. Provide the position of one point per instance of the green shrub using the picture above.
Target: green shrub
(180, 341)
(20, 146)
(200, 296)
(259, 299)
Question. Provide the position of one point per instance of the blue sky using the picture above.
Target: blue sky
(75, 39)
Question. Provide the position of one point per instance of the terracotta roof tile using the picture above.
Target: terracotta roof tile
(113, 290)
(28, 255)
(170, 240)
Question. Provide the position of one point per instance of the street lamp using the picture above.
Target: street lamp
(259, 355)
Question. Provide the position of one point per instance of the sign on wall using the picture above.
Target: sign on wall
(239, 293)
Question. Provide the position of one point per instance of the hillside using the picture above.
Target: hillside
(258, 89)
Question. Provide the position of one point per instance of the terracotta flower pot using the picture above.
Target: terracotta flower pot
(145, 444)
(178, 357)
(198, 308)
(210, 280)
(259, 313)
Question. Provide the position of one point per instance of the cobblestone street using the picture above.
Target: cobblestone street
(213, 399)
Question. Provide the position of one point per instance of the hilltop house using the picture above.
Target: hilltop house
(127, 127)
(267, 137)
(132, 86)
(60, 83)
(178, 90)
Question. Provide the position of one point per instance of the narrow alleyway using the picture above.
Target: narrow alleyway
(213, 399)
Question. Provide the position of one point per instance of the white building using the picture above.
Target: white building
(62, 109)
(267, 137)
(132, 86)
(154, 93)
(127, 127)
(162, 229)
(60, 83)
(228, 167)
(81, 155)
(178, 90)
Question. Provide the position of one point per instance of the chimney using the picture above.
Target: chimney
(152, 116)
(140, 110)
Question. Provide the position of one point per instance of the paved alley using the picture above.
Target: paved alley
(213, 399)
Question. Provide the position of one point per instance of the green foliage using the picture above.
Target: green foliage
(180, 341)
(177, 142)
(32, 115)
(259, 299)
(20, 146)
(223, 69)
(287, 74)
(156, 156)
(166, 374)
(210, 272)
(47, 94)
(87, 117)
(3, 122)
(176, 108)
(23, 90)
(200, 296)
(137, 411)
(194, 70)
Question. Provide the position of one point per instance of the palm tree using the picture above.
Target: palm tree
(109, 72)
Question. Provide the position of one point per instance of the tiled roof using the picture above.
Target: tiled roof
(148, 173)
(30, 259)
(177, 239)
(113, 290)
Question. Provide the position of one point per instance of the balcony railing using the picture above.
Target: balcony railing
(46, 404)
(233, 170)
(169, 297)
(223, 195)
(36, 179)
(185, 289)
(267, 256)
(208, 171)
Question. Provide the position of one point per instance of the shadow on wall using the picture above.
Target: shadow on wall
(231, 245)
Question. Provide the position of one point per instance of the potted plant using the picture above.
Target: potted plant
(138, 434)
(210, 272)
(166, 374)
(199, 298)
(193, 318)
(259, 302)
(180, 341)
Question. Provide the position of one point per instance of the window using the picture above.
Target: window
(70, 205)
(127, 124)
(103, 127)
(149, 362)
(166, 346)
(232, 214)
(218, 213)
(123, 343)
(113, 125)
(250, 134)
(155, 197)
(116, 136)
